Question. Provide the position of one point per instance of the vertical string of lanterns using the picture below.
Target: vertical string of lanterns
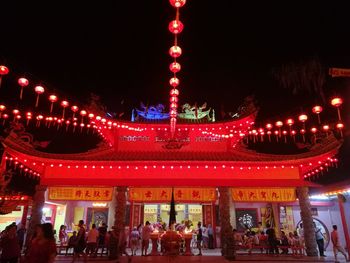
(175, 27)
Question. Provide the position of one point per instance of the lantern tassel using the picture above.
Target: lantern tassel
(21, 94)
(37, 101)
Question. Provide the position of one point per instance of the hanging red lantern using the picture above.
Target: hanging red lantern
(174, 99)
(175, 51)
(174, 82)
(91, 115)
(5, 117)
(313, 129)
(290, 122)
(2, 108)
(269, 126)
(340, 127)
(29, 117)
(325, 128)
(175, 27)
(317, 110)
(279, 124)
(175, 67)
(39, 90)
(64, 105)
(302, 117)
(173, 105)
(52, 98)
(337, 102)
(83, 114)
(74, 109)
(22, 82)
(177, 3)
(3, 71)
(174, 92)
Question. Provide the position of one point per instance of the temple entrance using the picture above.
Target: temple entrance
(159, 213)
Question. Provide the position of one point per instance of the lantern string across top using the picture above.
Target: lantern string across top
(175, 27)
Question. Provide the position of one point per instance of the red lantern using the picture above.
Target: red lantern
(175, 27)
(325, 128)
(177, 3)
(290, 122)
(268, 126)
(91, 115)
(337, 102)
(53, 98)
(64, 105)
(173, 105)
(83, 114)
(39, 90)
(340, 127)
(22, 82)
(174, 82)
(317, 110)
(2, 108)
(175, 67)
(5, 117)
(3, 71)
(313, 129)
(279, 124)
(175, 51)
(74, 109)
(174, 99)
(174, 92)
(302, 117)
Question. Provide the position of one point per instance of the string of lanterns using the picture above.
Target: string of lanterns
(321, 167)
(175, 27)
(16, 164)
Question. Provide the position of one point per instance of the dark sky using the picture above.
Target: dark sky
(119, 49)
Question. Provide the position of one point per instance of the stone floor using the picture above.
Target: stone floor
(209, 256)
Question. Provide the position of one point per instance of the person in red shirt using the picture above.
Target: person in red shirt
(43, 247)
(10, 245)
(336, 244)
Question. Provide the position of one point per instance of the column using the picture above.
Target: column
(24, 215)
(341, 201)
(111, 209)
(226, 228)
(232, 212)
(120, 208)
(37, 209)
(306, 217)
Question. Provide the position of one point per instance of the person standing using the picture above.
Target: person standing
(199, 238)
(146, 235)
(134, 240)
(81, 242)
(211, 236)
(43, 247)
(21, 232)
(91, 247)
(10, 245)
(319, 240)
(336, 244)
(205, 236)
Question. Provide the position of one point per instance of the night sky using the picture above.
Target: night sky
(119, 51)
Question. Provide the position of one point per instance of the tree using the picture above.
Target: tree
(307, 76)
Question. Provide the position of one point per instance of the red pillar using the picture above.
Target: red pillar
(213, 213)
(343, 220)
(24, 215)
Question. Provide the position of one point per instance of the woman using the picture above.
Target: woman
(134, 240)
(43, 247)
(62, 235)
(10, 245)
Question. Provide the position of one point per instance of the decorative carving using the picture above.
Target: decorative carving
(152, 112)
(194, 112)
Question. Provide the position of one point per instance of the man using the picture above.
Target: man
(92, 241)
(146, 235)
(80, 246)
(199, 238)
(319, 240)
(271, 239)
(211, 236)
(336, 244)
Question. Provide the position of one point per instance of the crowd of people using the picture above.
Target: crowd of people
(41, 245)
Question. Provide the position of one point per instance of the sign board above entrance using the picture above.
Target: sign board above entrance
(264, 194)
(81, 193)
(183, 194)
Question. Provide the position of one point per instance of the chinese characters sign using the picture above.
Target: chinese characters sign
(264, 194)
(180, 194)
(81, 193)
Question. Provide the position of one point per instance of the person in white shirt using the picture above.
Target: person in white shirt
(92, 241)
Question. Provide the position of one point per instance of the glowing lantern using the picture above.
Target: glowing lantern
(39, 90)
(22, 82)
(91, 115)
(337, 102)
(279, 124)
(302, 117)
(175, 67)
(174, 82)
(52, 98)
(174, 92)
(325, 128)
(175, 27)
(175, 51)
(38, 119)
(2, 108)
(313, 130)
(290, 122)
(173, 105)
(340, 126)
(177, 3)
(64, 105)
(15, 112)
(5, 117)
(74, 109)
(3, 71)
(317, 110)
(174, 99)
(83, 114)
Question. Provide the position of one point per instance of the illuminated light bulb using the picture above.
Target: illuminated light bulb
(175, 27)
(39, 90)
(175, 51)
(4, 70)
